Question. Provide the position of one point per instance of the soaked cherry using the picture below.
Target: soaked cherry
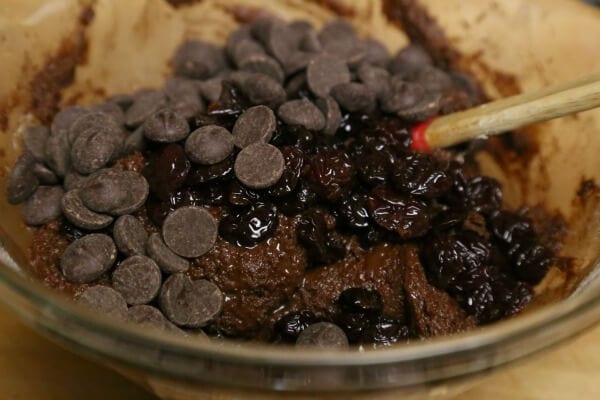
(291, 325)
(330, 172)
(294, 160)
(322, 247)
(386, 332)
(421, 175)
(167, 170)
(360, 300)
(353, 211)
(206, 173)
(240, 195)
(250, 226)
(299, 200)
(405, 215)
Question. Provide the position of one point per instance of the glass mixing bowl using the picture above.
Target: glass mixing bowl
(512, 46)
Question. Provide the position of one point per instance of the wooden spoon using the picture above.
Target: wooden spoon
(509, 113)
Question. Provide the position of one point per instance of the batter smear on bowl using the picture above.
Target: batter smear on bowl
(269, 191)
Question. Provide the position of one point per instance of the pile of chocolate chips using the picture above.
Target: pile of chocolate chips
(284, 119)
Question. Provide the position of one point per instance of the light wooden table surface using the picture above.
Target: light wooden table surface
(33, 368)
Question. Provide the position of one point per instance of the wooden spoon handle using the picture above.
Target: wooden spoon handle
(513, 112)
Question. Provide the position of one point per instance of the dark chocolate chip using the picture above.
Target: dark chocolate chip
(281, 41)
(87, 258)
(263, 64)
(123, 100)
(58, 153)
(190, 231)
(112, 110)
(244, 49)
(295, 85)
(190, 303)
(310, 42)
(302, 112)
(234, 38)
(95, 147)
(80, 216)
(146, 102)
(298, 61)
(354, 97)
(259, 88)
(43, 206)
(135, 141)
(44, 174)
(401, 95)
(168, 261)
(22, 181)
(376, 53)
(432, 79)
(424, 109)
(377, 79)
(198, 60)
(333, 115)
(114, 191)
(323, 335)
(255, 125)
(409, 59)
(339, 38)
(34, 141)
(151, 318)
(65, 118)
(105, 300)
(166, 126)
(183, 97)
(211, 88)
(130, 235)
(324, 72)
(259, 165)
(74, 180)
(209, 145)
(91, 121)
(138, 279)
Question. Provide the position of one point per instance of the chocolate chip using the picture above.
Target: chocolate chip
(333, 116)
(263, 64)
(114, 192)
(295, 85)
(58, 153)
(259, 88)
(259, 165)
(401, 95)
(151, 318)
(138, 279)
(375, 78)
(91, 121)
(261, 26)
(198, 60)
(145, 103)
(190, 303)
(95, 147)
(87, 258)
(80, 216)
(282, 40)
(432, 79)
(339, 38)
(323, 335)
(22, 182)
(135, 141)
(211, 88)
(183, 97)
(324, 72)
(168, 261)
(235, 37)
(246, 48)
(130, 236)
(209, 145)
(298, 61)
(255, 125)
(310, 42)
(376, 53)
(111, 109)
(104, 299)
(43, 206)
(166, 126)
(190, 231)
(424, 109)
(123, 100)
(408, 59)
(74, 180)
(65, 118)
(44, 174)
(302, 112)
(34, 141)
(354, 97)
